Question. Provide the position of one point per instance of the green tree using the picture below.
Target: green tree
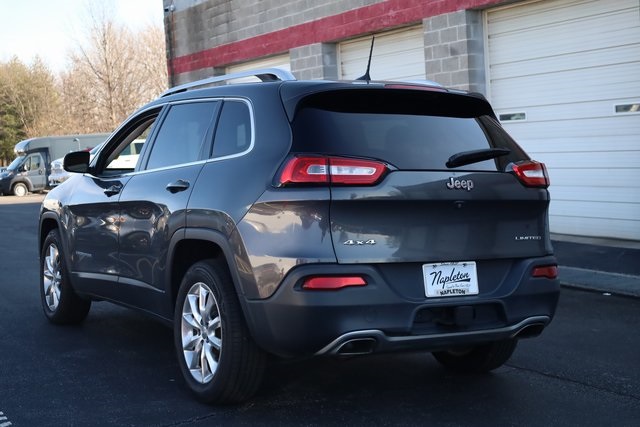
(29, 104)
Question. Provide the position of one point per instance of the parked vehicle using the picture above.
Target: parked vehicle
(307, 218)
(30, 170)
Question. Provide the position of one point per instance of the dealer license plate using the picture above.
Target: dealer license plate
(449, 279)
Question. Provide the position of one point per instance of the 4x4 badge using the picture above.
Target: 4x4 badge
(457, 184)
(359, 242)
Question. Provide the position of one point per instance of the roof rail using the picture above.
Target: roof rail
(265, 74)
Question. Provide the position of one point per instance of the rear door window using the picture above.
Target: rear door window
(184, 132)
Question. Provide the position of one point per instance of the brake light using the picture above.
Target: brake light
(332, 283)
(531, 173)
(416, 86)
(548, 271)
(336, 170)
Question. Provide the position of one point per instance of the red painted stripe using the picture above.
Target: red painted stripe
(355, 22)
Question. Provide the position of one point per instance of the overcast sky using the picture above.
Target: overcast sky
(49, 28)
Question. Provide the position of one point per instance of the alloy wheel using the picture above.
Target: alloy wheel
(52, 277)
(201, 329)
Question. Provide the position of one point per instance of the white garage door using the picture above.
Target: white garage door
(397, 55)
(565, 80)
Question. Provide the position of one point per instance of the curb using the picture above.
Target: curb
(599, 281)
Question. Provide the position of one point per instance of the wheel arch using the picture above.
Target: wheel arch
(26, 182)
(197, 244)
(48, 221)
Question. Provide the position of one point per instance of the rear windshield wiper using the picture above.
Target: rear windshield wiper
(475, 156)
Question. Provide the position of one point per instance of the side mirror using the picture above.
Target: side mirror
(77, 162)
(22, 168)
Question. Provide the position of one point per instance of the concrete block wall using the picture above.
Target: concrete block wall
(454, 50)
(209, 35)
(202, 24)
(315, 61)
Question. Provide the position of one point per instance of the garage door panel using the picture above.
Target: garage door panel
(591, 178)
(611, 81)
(515, 18)
(567, 111)
(577, 128)
(569, 61)
(617, 229)
(591, 209)
(621, 159)
(589, 40)
(596, 194)
(588, 143)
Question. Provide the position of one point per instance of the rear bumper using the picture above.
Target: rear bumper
(374, 341)
(382, 316)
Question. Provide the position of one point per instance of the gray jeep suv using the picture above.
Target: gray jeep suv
(302, 218)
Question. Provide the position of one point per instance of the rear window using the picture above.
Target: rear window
(409, 132)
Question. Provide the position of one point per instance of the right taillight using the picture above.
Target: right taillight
(334, 170)
(531, 173)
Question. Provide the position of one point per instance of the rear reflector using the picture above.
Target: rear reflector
(548, 271)
(337, 170)
(328, 283)
(531, 173)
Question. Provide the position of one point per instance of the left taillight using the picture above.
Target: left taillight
(329, 169)
(531, 173)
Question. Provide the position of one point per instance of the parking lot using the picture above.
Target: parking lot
(119, 368)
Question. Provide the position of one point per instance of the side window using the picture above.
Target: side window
(233, 134)
(182, 134)
(33, 163)
(126, 155)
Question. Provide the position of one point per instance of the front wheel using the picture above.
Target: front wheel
(20, 189)
(217, 356)
(477, 359)
(60, 302)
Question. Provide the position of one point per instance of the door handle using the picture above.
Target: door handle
(177, 186)
(113, 190)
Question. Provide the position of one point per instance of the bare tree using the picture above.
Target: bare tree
(114, 72)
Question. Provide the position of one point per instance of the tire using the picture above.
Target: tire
(218, 358)
(20, 189)
(60, 302)
(478, 359)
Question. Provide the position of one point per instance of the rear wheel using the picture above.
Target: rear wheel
(217, 356)
(477, 359)
(20, 189)
(60, 302)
